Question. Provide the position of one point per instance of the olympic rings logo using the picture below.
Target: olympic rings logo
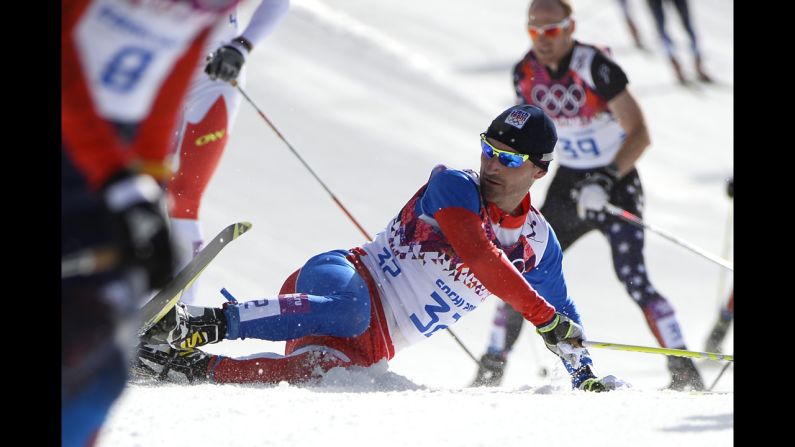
(557, 98)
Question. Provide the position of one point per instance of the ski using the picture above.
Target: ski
(157, 307)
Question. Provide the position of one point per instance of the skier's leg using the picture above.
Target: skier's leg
(627, 243)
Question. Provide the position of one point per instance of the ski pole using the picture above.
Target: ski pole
(633, 219)
(720, 374)
(663, 351)
(727, 233)
(543, 371)
(460, 343)
(306, 165)
(333, 197)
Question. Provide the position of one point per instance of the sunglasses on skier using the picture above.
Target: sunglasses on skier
(551, 30)
(509, 159)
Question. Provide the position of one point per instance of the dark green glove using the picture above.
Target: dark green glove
(563, 337)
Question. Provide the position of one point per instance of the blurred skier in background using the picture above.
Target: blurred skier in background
(633, 29)
(658, 11)
(726, 313)
(125, 68)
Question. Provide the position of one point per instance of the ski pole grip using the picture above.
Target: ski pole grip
(228, 295)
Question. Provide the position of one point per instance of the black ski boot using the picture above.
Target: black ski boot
(684, 375)
(718, 334)
(158, 360)
(490, 371)
(186, 327)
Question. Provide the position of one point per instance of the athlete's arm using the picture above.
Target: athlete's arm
(611, 82)
(264, 20)
(626, 109)
(452, 199)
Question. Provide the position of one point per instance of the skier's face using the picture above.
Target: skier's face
(550, 31)
(502, 185)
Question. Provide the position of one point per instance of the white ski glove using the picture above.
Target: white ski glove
(591, 197)
(593, 192)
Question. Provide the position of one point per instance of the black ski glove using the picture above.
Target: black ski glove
(225, 63)
(135, 204)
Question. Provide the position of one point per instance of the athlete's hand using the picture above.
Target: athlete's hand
(593, 192)
(135, 202)
(225, 63)
(563, 337)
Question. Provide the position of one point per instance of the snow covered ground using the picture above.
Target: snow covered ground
(373, 95)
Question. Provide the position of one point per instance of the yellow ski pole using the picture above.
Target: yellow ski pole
(663, 351)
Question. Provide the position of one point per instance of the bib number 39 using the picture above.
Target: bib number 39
(582, 148)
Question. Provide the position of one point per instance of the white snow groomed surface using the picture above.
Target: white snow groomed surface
(373, 95)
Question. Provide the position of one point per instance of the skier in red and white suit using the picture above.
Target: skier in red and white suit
(125, 68)
(210, 110)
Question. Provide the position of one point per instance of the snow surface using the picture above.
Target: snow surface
(373, 95)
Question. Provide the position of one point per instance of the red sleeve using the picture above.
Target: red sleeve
(153, 142)
(464, 230)
(92, 142)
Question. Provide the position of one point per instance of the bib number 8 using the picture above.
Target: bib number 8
(125, 68)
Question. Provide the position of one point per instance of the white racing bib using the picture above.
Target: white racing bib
(589, 145)
(127, 49)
